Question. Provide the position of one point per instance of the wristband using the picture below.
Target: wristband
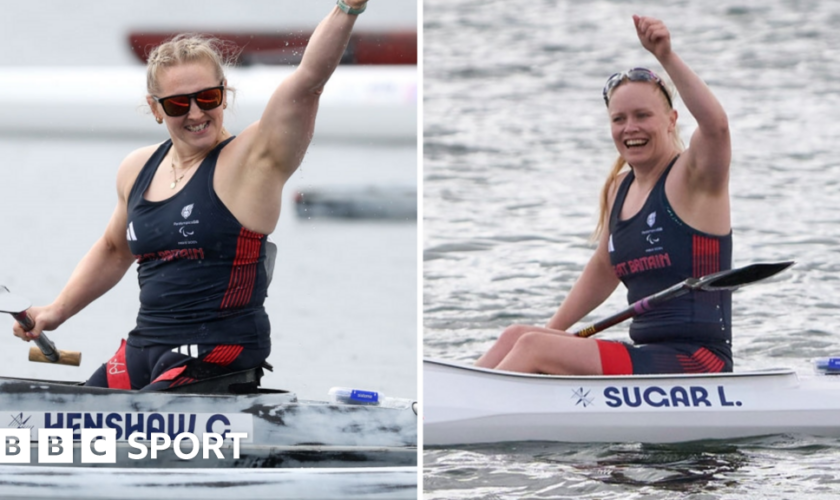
(350, 10)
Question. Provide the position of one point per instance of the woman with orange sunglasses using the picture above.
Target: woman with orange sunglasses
(665, 219)
(195, 212)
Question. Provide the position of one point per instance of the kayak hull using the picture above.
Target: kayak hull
(282, 431)
(464, 404)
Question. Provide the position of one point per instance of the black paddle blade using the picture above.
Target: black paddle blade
(736, 278)
(10, 303)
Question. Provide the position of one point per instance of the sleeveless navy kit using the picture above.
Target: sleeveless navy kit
(649, 252)
(203, 280)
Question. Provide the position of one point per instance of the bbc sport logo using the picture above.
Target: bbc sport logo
(99, 435)
(99, 446)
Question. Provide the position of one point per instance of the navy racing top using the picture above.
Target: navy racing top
(203, 277)
(654, 250)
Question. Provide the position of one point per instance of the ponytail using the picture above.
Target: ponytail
(609, 185)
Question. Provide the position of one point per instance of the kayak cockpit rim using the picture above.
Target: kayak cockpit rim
(768, 372)
(75, 387)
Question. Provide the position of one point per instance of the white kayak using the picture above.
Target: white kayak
(464, 404)
(279, 430)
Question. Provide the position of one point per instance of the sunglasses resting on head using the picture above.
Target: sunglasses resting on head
(634, 75)
(179, 105)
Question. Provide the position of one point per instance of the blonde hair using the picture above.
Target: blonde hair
(190, 48)
(611, 184)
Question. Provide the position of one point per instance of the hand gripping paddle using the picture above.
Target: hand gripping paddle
(46, 351)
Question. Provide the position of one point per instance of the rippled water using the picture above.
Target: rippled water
(516, 147)
(768, 468)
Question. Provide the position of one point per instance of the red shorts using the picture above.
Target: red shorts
(161, 366)
(615, 360)
(618, 358)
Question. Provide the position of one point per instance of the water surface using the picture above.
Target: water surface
(516, 148)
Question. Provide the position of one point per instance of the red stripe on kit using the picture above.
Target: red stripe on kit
(243, 275)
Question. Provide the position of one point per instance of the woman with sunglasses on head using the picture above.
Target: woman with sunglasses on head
(664, 220)
(195, 212)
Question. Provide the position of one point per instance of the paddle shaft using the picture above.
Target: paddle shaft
(46, 351)
(636, 308)
(730, 280)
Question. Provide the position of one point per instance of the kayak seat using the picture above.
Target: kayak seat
(211, 380)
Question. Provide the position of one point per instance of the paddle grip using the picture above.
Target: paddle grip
(43, 342)
(46, 351)
(72, 358)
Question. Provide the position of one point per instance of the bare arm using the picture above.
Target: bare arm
(709, 152)
(287, 124)
(594, 286)
(99, 270)
(252, 172)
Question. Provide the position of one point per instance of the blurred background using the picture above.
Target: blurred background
(343, 300)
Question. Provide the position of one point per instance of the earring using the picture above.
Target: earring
(224, 106)
(159, 120)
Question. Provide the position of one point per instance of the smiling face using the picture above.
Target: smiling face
(642, 123)
(200, 129)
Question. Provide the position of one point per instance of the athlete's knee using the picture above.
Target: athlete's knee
(513, 333)
(531, 341)
(545, 346)
(524, 353)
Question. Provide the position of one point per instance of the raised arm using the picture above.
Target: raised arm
(252, 171)
(709, 151)
(287, 124)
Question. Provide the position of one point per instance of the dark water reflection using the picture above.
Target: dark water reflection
(710, 469)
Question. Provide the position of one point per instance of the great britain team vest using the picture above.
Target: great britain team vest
(654, 250)
(202, 276)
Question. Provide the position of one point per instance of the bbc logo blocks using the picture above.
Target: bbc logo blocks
(55, 446)
(99, 446)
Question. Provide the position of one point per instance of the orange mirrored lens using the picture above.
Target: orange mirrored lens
(209, 99)
(176, 106)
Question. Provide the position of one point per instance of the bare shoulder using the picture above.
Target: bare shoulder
(239, 147)
(244, 140)
(682, 177)
(615, 185)
(696, 173)
(245, 155)
(130, 168)
(620, 178)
